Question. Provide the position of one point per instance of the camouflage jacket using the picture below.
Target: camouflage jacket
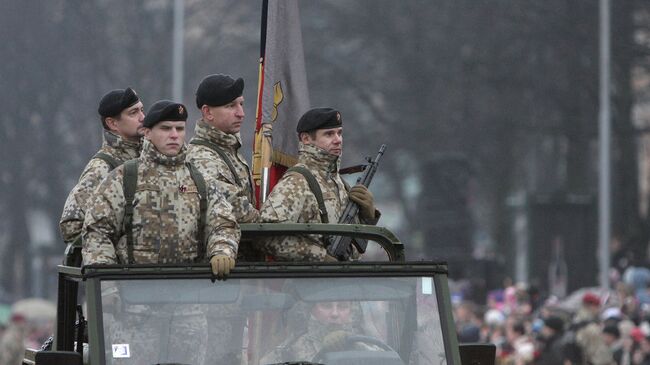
(303, 345)
(165, 215)
(292, 201)
(210, 164)
(95, 171)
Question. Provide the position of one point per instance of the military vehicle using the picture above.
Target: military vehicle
(383, 312)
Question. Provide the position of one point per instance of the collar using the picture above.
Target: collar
(205, 131)
(318, 158)
(150, 153)
(115, 141)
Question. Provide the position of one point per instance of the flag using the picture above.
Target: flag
(283, 95)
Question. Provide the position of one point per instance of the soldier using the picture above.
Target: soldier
(320, 134)
(159, 209)
(214, 149)
(121, 113)
(164, 209)
(327, 327)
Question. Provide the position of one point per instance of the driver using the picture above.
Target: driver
(327, 328)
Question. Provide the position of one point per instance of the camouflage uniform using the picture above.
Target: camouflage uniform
(211, 165)
(165, 224)
(292, 201)
(95, 171)
(161, 334)
(165, 214)
(302, 344)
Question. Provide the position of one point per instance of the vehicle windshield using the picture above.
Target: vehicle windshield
(327, 320)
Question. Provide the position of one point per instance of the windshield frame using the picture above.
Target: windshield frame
(93, 275)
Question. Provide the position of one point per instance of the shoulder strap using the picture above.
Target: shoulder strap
(315, 189)
(199, 181)
(221, 153)
(129, 184)
(110, 160)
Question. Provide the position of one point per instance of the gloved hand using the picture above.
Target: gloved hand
(363, 197)
(336, 340)
(221, 265)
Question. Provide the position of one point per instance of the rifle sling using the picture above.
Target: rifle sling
(222, 154)
(315, 189)
(110, 160)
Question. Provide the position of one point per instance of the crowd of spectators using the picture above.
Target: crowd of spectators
(591, 326)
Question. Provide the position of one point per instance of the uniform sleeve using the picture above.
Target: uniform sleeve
(215, 168)
(291, 201)
(288, 201)
(102, 225)
(73, 215)
(222, 231)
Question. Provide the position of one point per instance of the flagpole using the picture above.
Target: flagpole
(177, 57)
(263, 143)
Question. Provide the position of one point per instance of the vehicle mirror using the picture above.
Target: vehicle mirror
(58, 358)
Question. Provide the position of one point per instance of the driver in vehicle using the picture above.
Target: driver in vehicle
(329, 327)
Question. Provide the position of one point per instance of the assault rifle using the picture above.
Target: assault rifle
(339, 246)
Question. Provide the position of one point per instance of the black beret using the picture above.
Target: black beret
(319, 118)
(117, 100)
(164, 110)
(218, 90)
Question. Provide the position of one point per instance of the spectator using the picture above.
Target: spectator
(551, 352)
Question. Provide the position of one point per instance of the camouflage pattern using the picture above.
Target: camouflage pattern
(165, 216)
(291, 201)
(307, 339)
(95, 171)
(212, 166)
(160, 335)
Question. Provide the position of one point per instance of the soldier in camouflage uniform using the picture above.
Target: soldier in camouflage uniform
(166, 205)
(165, 229)
(121, 113)
(326, 327)
(320, 133)
(214, 149)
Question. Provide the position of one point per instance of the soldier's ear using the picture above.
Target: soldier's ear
(206, 112)
(305, 138)
(147, 132)
(111, 124)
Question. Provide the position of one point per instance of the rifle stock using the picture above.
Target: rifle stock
(340, 246)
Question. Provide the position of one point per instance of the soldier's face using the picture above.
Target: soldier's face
(330, 140)
(332, 312)
(128, 124)
(168, 137)
(227, 118)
